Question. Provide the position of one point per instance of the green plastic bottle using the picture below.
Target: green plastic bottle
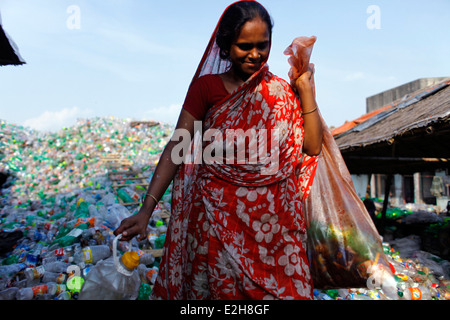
(144, 291)
(82, 210)
(159, 242)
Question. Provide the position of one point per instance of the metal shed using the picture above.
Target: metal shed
(410, 135)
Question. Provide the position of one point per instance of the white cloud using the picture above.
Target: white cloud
(168, 114)
(55, 120)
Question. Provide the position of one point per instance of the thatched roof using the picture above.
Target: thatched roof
(9, 53)
(411, 135)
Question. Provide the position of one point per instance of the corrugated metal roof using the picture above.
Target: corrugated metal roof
(411, 135)
(426, 106)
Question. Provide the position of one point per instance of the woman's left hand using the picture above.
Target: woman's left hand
(305, 82)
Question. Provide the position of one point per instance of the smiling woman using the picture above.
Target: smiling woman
(237, 229)
(247, 53)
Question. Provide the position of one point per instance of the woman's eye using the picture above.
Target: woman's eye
(262, 45)
(250, 46)
(245, 46)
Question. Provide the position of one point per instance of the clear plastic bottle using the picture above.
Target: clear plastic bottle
(65, 295)
(147, 259)
(9, 271)
(54, 277)
(418, 293)
(114, 278)
(148, 275)
(61, 254)
(9, 294)
(57, 266)
(92, 254)
(343, 293)
(31, 293)
(32, 274)
(114, 215)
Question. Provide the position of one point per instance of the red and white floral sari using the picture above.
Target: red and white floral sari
(236, 230)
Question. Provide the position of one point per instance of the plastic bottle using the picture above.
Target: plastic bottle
(71, 237)
(128, 195)
(113, 279)
(321, 295)
(418, 293)
(148, 275)
(159, 242)
(9, 294)
(34, 273)
(61, 254)
(343, 293)
(8, 272)
(92, 254)
(65, 295)
(147, 259)
(57, 266)
(31, 293)
(145, 291)
(82, 210)
(115, 214)
(58, 278)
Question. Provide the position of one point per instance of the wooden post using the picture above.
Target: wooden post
(387, 189)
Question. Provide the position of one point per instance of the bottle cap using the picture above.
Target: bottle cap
(130, 260)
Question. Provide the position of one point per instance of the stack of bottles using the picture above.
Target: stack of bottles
(60, 206)
(413, 281)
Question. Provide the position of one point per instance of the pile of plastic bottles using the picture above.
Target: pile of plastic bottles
(47, 164)
(419, 277)
(58, 210)
(60, 206)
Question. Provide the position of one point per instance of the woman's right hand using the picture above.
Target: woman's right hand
(133, 226)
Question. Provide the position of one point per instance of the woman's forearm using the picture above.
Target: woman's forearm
(312, 123)
(162, 177)
(166, 169)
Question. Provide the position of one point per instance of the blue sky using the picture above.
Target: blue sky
(135, 58)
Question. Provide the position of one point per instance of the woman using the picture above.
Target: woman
(237, 230)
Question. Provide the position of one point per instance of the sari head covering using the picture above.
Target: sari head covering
(237, 229)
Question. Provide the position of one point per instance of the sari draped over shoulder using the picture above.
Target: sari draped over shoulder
(237, 230)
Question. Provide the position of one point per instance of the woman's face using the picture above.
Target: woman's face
(251, 48)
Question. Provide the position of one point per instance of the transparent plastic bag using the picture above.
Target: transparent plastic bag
(344, 247)
(343, 242)
(299, 53)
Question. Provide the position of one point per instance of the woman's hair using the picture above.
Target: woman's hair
(234, 19)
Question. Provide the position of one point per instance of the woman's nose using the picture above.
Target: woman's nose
(254, 54)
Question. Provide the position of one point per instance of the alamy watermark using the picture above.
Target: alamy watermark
(373, 22)
(73, 22)
(259, 148)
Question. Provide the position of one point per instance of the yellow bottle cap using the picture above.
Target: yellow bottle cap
(130, 260)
